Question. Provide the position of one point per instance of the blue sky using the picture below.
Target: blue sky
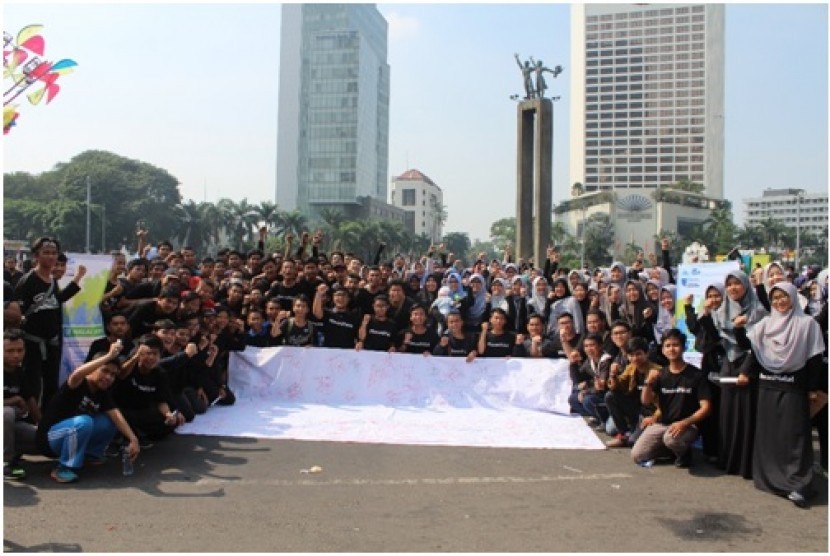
(193, 88)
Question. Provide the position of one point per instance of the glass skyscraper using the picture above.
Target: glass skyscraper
(333, 121)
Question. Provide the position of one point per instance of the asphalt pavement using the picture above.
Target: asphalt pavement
(220, 494)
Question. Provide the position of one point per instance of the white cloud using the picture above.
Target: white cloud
(402, 27)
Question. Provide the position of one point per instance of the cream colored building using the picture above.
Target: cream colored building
(416, 193)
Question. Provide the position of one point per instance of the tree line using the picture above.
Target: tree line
(127, 194)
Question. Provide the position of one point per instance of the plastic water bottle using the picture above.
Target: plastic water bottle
(126, 462)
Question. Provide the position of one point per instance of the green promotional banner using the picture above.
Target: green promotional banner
(82, 320)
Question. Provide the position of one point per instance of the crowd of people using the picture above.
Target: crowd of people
(172, 320)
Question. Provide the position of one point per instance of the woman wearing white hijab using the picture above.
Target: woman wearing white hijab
(538, 298)
(787, 347)
(773, 274)
(741, 309)
(665, 311)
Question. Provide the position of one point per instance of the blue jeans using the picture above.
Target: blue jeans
(78, 436)
(594, 404)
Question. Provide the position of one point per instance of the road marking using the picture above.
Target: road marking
(412, 482)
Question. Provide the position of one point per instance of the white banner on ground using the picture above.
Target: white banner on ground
(82, 321)
(397, 398)
(694, 279)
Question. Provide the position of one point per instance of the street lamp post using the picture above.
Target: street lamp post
(797, 229)
(582, 241)
(88, 208)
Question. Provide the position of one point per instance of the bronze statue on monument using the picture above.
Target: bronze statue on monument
(530, 68)
(539, 68)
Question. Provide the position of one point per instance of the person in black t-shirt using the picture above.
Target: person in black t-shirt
(81, 419)
(143, 391)
(418, 338)
(495, 340)
(682, 393)
(400, 305)
(40, 299)
(118, 328)
(289, 288)
(377, 333)
(340, 324)
(535, 343)
(163, 307)
(20, 410)
(455, 342)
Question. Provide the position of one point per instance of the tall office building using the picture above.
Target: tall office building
(647, 87)
(333, 121)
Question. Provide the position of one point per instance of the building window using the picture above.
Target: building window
(408, 199)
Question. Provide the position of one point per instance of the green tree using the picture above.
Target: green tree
(718, 231)
(632, 249)
(457, 243)
(130, 190)
(292, 222)
(200, 226)
(685, 184)
(240, 219)
(598, 228)
(558, 233)
(503, 232)
(771, 232)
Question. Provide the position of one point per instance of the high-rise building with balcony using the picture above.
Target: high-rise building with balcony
(333, 121)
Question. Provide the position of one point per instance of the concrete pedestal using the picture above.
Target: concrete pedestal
(534, 179)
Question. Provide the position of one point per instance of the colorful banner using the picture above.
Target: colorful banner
(397, 398)
(82, 320)
(694, 279)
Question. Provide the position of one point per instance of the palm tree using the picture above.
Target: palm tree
(439, 217)
(332, 219)
(240, 219)
(268, 213)
(719, 230)
(771, 231)
(362, 237)
(200, 227)
(598, 230)
(293, 222)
